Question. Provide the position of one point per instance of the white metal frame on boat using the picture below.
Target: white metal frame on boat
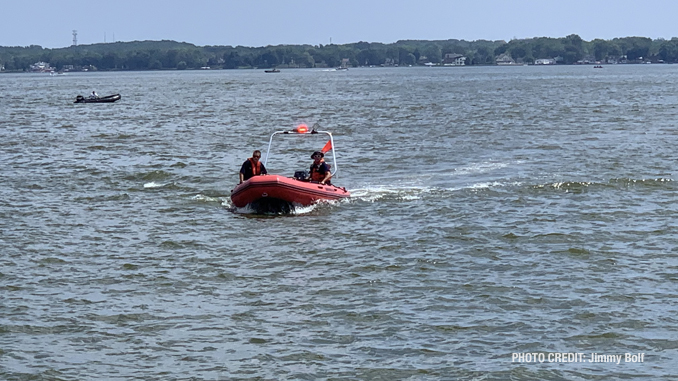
(303, 130)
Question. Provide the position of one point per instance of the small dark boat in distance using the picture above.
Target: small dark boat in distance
(272, 71)
(106, 99)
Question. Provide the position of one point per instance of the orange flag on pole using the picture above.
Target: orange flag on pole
(327, 147)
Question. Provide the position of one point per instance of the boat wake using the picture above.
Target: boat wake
(402, 193)
(204, 198)
(374, 193)
(440, 184)
(412, 192)
(614, 184)
(153, 184)
(406, 193)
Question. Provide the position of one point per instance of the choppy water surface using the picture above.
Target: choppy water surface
(494, 211)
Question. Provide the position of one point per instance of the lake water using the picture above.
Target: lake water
(495, 211)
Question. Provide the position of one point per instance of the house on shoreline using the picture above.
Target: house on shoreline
(453, 59)
(545, 61)
(504, 59)
(41, 67)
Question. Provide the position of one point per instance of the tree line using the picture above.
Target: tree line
(159, 55)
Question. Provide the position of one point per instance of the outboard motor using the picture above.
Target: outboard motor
(301, 175)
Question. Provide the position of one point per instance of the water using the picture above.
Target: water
(495, 211)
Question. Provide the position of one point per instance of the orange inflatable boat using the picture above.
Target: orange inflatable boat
(287, 189)
(267, 190)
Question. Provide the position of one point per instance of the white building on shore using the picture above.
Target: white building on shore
(505, 59)
(452, 59)
(545, 61)
(41, 67)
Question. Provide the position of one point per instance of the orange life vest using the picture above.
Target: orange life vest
(315, 173)
(256, 167)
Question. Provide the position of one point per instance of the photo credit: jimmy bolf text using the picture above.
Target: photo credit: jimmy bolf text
(558, 357)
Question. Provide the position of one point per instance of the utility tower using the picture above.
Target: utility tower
(75, 38)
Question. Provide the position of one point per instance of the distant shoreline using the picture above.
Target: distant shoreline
(439, 67)
(172, 55)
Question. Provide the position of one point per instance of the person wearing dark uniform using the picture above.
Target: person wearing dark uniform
(320, 171)
(252, 167)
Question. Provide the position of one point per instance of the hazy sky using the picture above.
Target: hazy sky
(260, 23)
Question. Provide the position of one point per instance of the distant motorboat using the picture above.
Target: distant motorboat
(272, 71)
(106, 99)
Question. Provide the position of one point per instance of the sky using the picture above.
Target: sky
(256, 23)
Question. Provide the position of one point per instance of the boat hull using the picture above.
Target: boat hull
(287, 189)
(107, 99)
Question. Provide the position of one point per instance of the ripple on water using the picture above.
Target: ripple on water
(480, 226)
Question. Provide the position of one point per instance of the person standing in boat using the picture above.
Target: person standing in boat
(320, 171)
(94, 95)
(252, 167)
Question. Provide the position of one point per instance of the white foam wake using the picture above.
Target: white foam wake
(153, 184)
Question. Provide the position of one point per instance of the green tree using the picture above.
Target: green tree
(416, 54)
(171, 58)
(481, 56)
(575, 41)
(305, 60)
(499, 50)
(155, 65)
(519, 52)
(571, 55)
(266, 60)
(668, 50)
(433, 53)
(601, 49)
(405, 57)
(139, 60)
(638, 47)
(371, 57)
(108, 61)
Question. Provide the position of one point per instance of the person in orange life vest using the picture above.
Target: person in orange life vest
(320, 171)
(252, 167)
